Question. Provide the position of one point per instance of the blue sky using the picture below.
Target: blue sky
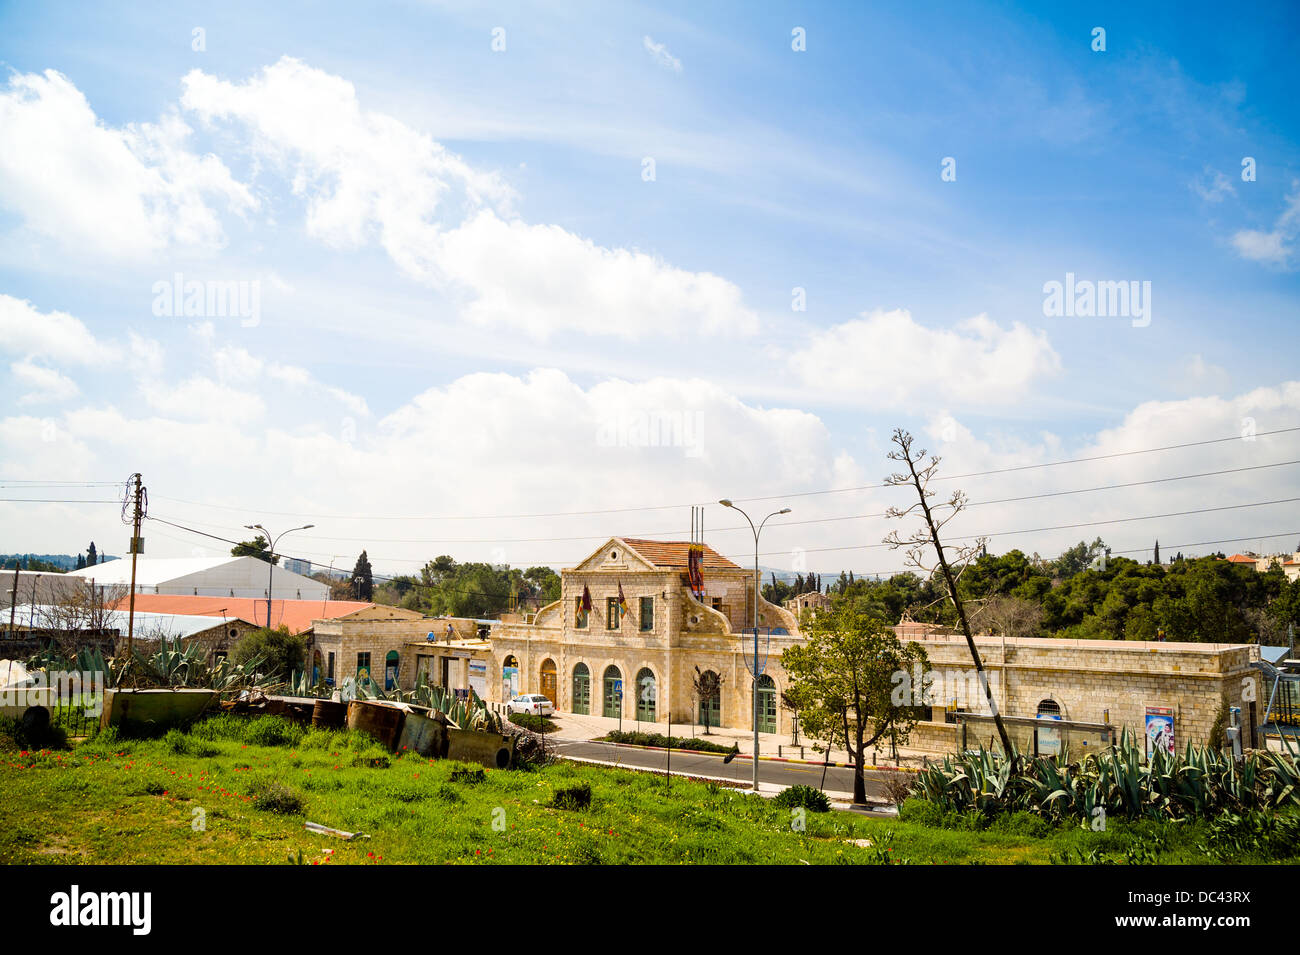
(420, 210)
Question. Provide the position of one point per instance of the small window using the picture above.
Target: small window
(363, 666)
(614, 614)
(647, 613)
(330, 671)
(579, 615)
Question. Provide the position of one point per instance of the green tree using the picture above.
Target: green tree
(1074, 560)
(363, 579)
(81, 562)
(257, 547)
(279, 651)
(843, 680)
(92, 555)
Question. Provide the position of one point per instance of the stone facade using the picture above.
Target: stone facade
(344, 646)
(663, 634)
(1101, 682)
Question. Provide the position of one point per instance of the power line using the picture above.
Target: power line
(1032, 530)
(665, 507)
(740, 527)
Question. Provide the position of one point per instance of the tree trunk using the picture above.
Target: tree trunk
(859, 779)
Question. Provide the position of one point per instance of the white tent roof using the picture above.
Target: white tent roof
(151, 571)
(146, 624)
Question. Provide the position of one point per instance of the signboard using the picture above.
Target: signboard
(510, 682)
(1160, 729)
(478, 677)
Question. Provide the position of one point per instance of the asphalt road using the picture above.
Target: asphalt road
(693, 764)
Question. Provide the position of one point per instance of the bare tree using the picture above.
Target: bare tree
(918, 475)
(1010, 616)
(74, 613)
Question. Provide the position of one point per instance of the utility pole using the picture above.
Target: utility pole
(757, 670)
(13, 600)
(137, 545)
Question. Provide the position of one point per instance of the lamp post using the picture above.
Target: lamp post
(757, 530)
(270, 561)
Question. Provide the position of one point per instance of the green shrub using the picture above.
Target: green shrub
(251, 730)
(275, 652)
(533, 722)
(573, 797)
(182, 744)
(663, 742)
(276, 797)
(806, 797)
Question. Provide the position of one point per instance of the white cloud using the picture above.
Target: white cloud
(199, 398)
(238, 365)
(887, 358)
(559, 281)
(659, 52)
(1218, 187)
(366, 176)
(58, 336)
(121, 193)
(46, 385)
(1275, 246)
(362, 173)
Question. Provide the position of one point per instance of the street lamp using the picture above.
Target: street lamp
(757, 530)
(270, 561)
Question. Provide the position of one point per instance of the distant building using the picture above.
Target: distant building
(296, 565)
(206, 577)
(813, 601)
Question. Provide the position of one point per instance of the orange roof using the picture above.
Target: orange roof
(297, 615)
(674, 554)
(1241, 559)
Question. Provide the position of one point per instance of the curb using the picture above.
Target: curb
(773, 759)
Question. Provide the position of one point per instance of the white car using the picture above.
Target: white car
(533, 703)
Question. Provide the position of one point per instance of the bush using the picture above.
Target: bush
(533, 723)
(278, 652)
(803, 796)
(253, 730)
(276, 797)
(182, 744)
(573, 797)
(663, 742)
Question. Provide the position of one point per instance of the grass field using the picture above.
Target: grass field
(239, 791)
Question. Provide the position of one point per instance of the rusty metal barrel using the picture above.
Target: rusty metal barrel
(383, 721)
(329, 714)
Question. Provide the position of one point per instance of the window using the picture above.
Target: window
(613, 614)
(582, 689)
(646, 694)
(363, 666)
(613, 692)
(579, 615)
(766, 704)
(647, 613)
(330, 672)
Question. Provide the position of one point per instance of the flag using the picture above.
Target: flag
(584, 604)
(622, 601)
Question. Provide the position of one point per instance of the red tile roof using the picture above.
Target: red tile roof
(1241, 559)
(674, 554)
(297, 615)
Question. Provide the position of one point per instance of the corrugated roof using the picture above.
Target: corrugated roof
(674, 554)
(297, 615)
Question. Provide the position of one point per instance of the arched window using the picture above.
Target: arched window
(766, 704)
(613, 692)
(1049, 707)
(709, 692)
(1047, 738)
(550, 681)
(582, 689)
(646, 695)
(509, 678)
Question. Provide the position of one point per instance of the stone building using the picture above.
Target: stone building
(392, 646)
(812, 602)
(638, 658)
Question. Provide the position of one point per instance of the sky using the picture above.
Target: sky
(503, 280)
